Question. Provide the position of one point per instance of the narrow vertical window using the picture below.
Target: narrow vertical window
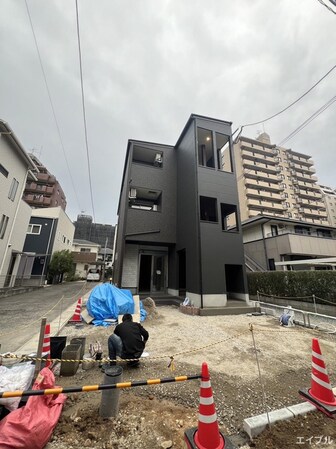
(205, 148)
(208, 209)
(224, 157)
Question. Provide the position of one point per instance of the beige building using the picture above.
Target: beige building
(329, 198)
(277, 182)
(272, 243)
(85, 254)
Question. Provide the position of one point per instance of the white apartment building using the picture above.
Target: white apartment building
(276, 181)
(15, 169)
(329, 198)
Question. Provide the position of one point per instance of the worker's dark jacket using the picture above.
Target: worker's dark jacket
(133, 337)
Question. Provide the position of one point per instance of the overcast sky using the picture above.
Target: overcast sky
(149, 64)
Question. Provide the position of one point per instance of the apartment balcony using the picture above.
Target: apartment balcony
(311, 203)
(258, 149)
(308, 185)
(269, 186)
(301, 160)
(263, 204)
(50, 179)
(315, 213)
(263, 158)
(46, 201)
(310, 194)
(255, 212)
(263, 193)
(307, 177)
(31, 187)
(262, 175)
(257, 166)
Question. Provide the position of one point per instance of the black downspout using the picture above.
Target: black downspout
(264, 243)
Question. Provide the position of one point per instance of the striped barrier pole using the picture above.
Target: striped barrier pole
(88, 388)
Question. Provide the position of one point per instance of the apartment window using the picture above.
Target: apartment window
(3, 225)
(3, 171)
(63, 239)
(304, 230)
(229, 217)
(224, 158)
(208, 209)
(324, 233)
(34, 229)
(205, 148)
(85, 250)
(13, 189)
(286, 195)
(274, 230)
(289, 215)
(39, 187)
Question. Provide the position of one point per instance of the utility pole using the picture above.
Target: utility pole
(104, 258)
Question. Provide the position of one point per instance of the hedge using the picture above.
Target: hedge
(321, 283)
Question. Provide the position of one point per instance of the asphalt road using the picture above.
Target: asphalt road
(20, 315)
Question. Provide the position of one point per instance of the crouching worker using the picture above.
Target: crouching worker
(128, 340)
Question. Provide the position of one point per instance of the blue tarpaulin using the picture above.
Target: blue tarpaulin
(106, 301)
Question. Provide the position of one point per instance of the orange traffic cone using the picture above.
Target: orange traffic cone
(320, 394)
(46, 345)
(207, 434)
(77, 315)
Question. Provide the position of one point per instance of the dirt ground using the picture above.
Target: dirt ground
(156, 416)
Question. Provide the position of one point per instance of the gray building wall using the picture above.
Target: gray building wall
(187, 210)
(154, 178)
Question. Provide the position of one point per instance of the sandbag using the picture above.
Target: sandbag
(18, 377)
(31, 426)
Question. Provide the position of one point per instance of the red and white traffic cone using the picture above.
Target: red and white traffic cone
(77, 315)
(46, 345)
(207, 434)
(320, 394)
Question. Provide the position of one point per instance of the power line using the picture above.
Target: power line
(84, 113)
(293, 103)
(309, 120)
(328, 7)
(51, 103)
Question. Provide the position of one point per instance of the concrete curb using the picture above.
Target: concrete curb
(256, 424)
(55, 327)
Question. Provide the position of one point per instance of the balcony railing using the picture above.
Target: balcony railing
(301, 234)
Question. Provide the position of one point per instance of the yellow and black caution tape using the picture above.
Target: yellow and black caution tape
(89, 388)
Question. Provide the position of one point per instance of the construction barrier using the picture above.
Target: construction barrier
(320, 394)
(207, 434)
(76, 318)
(88, 388)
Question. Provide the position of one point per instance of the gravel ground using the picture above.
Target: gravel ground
(156, 416)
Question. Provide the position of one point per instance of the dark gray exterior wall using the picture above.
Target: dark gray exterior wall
(122, 218)
(134, 225)
(187, 209)
(218, 247)
(154, 178)
(41, 243)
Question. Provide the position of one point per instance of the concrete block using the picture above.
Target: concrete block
(255, 425)
(86, 317)
(79, 341)
(70, 352)
(302, 409)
